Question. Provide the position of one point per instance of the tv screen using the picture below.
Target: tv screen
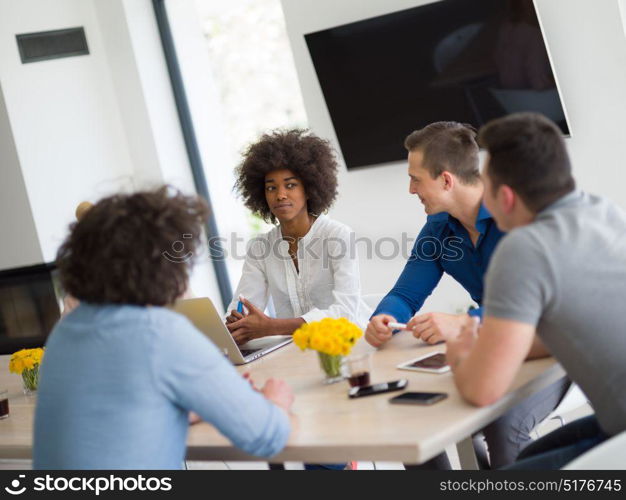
(460, 60)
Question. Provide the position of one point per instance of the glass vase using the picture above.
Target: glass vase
(30, 380)
(332, 366)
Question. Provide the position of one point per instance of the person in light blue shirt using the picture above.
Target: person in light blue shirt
(122, 372)
(459, 238)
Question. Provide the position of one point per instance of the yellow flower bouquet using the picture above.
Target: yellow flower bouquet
(26, 363)
(332, 339)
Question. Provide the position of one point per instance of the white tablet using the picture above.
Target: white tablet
(434, 362)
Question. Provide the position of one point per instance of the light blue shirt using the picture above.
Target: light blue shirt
(117, 383)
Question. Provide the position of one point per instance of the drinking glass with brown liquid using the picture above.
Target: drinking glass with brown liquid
(4, 404)
(359, 368)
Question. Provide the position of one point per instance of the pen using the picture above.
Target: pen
(397, 326)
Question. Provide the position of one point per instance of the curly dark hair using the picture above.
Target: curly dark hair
(133, 248)
(309, 157)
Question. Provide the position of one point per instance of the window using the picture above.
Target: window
(257, 87)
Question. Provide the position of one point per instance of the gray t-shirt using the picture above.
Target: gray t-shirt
(565, 273)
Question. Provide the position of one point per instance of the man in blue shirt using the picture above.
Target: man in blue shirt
(460, 256)
(459, 238)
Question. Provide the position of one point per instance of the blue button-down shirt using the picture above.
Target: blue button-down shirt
(443, 245)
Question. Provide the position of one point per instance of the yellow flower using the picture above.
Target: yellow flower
(316, 343)
(330, 336)
(29, 363)
(25, 359)
(16, 365)
(300, 339)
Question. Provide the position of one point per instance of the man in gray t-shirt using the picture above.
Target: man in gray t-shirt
(555, 286)
(569, 279)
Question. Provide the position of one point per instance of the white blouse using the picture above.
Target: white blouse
(327, 284)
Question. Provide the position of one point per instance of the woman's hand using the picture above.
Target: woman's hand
(279, 393)
(247, 376)
(234, 316)
(254, 325)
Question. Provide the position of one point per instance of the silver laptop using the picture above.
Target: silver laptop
(202, 313)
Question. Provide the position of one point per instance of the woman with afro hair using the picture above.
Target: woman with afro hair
(307, 264)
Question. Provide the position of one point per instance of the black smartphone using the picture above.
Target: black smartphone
(370, 390)
(418, 398)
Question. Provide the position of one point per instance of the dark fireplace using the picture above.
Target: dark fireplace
(29, 306)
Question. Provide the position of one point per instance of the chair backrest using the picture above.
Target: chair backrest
(574, 398)
(610, 455)
(373, 299)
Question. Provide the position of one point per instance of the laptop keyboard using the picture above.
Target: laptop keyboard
(246, 352)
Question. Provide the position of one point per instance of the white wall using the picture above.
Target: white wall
(588, 48)
(147, 106)
(85, 127)
(216, 150)
(64, 117)
(374, 201)
(17, 227)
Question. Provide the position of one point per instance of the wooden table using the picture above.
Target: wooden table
(332, 428)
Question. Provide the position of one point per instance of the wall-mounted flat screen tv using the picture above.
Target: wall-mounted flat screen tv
(463, 60)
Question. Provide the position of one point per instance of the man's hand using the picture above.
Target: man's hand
(459, 347)
(485, 361)
(377, 332)
(279, 393)
(436, 327)
(256, 324)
